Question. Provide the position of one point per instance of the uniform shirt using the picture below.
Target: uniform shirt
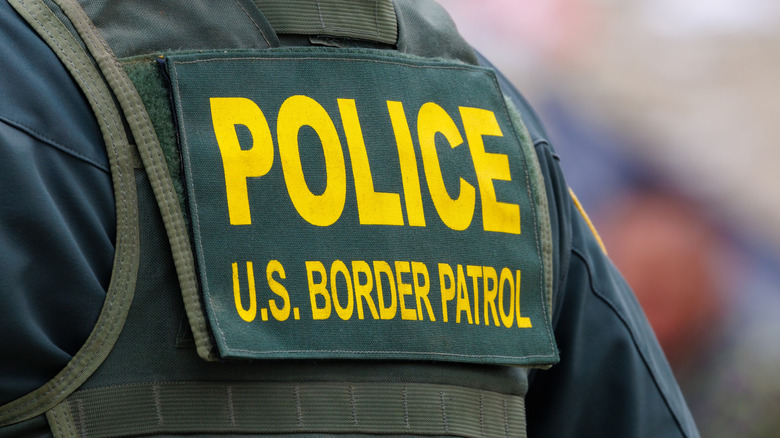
(57, 218)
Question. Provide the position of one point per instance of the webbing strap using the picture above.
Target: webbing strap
(61, 422)
(372, 20)
(156, 167)
(120, 292)
(262, 408)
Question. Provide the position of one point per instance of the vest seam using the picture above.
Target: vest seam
(254, 23)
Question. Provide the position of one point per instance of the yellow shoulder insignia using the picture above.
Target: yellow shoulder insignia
(587, 220)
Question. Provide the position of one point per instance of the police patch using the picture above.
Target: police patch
(361, 205)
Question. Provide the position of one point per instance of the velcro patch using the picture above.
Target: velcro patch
(361, 205)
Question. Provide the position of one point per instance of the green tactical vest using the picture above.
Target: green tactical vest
(330, 220)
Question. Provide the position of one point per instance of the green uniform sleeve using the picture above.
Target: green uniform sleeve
(613, 379)
(57, 215)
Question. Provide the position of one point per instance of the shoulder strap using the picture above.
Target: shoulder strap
(120, 292)
(155, 164)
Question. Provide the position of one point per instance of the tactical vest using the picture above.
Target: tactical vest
(330, 221)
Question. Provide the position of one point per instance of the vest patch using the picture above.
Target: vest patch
(360, 205)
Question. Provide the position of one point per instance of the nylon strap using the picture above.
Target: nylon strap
(155, 165)
(61, 422)
(372, 20)
(120, 291)
(262, 408)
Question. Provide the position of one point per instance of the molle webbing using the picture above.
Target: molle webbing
(365, 20)
(233, 408)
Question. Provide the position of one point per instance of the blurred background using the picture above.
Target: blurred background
(666, 116)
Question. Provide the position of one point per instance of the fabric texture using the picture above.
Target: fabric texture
(57, 228)
(57, 219)
(372, 20)
(510, 237)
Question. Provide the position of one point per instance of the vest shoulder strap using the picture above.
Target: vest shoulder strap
(120, 293)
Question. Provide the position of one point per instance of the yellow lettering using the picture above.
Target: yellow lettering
(316, 289)
(374, 208)
(421, 289)
(506, 277)
(463, 304)
(408, 162)
(403, 290)
(246, 315)
(277, 288)
(522, 321)
(490, 293)
(447, 292)
(240, 164)
(496, 216)
(456, 213)
(338, 267)
(381, 267)
(325, 209)
(363, 290)
(475, 272)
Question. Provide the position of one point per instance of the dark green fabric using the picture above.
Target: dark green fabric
(597, 297)
(146, 350)
(43, 328)
(601, 331)
(612, 379)
(505, 234)
(372, 20)
(45, 161)
(122, 285)
(240, 408)
(530, 119)
(148, 79)
(170, 25)
(36, 427)
(425, 29)
(148, 146)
